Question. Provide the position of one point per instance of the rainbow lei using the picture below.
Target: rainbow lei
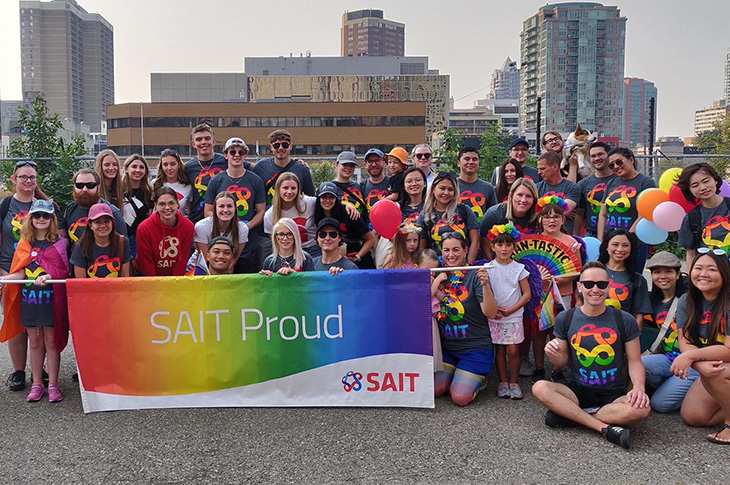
(551, 199)
(504, 229)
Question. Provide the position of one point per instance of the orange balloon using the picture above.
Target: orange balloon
(648, 200)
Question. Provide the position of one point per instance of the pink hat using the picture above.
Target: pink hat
(100, 210)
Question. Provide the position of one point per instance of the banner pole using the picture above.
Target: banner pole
(28, 282)
(462, 268)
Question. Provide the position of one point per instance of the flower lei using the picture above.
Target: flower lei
(408, 227)
(450, 298)
(551, 199)
(508, 228)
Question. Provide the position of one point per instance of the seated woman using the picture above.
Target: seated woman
(704, 343)
(287, 256)
(164, 239)
(667, 287)
(101, 252)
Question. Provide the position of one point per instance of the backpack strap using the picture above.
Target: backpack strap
(121, 250)
(5, 207)
(665, 326)
(569, 317)
(695, 222)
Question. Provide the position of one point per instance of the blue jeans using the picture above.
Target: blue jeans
(670, 389)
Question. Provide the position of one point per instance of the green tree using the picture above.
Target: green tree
(323, 172)
(57, 160)
(493, 150)
(719, 140)
(453, 141)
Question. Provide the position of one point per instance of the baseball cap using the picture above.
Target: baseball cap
(40, 205)
(327, 188)
(664, 259)
(373, 151)
(235, 141)
(100, 210)
(221, 240)
(519, 141)
(347, 157)
(328, 221)
(400, 153)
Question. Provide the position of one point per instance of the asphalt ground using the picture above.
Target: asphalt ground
(490, 440)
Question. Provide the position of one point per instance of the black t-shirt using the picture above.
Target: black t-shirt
(478, 195)
(102, 263)
(36, 302)
(396, 183)
(497, 215)
(628, 292)
(275, 263)
(136, 209)
(343, 263)
(462, 323)
(591, 195)
(77, 219)
(349, 193)
(268, 171)
(621, 197)
(410, 214)
(433, 230)
(200, 174)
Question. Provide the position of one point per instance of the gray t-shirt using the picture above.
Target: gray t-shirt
(530, 173)
(620, 198)
(200, 174)
(374, 192)
(714, 228)
(597, 347)
(343, 263)
(591, 195)
(680, 318)
(497, 215)
(629, 291)
(433, 230)
(102, 263)
(479, 196)
(17, 211)
(566, 190)
(462, 324)
(275, 263)
(77, 219)
(268, 171)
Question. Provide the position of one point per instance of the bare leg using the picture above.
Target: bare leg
(699, 408)
(513, 353)
(621, 413)
(53, 356)
(525, 348)
(18, 347)
(561, 400)
(37, 354)
(501, 363)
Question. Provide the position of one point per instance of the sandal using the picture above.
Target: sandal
(716, 440)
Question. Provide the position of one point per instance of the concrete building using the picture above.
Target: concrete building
(507, 109)
(336, 66)
(198, 87)
(367, 33)
(9, 116)
(68, 54)
(706, 118)
(318, 129)
(572, 56)
(472, 121)
(726, 91)
(505, 82)
(637, 93)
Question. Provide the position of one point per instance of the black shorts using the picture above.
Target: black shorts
(595, 398)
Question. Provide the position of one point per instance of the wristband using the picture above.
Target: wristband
(358, 258)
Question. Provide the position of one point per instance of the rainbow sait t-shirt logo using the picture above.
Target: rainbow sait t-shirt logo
(618, 203)
(243, 194)
(594, 350)
(475, 201)
(77, 228)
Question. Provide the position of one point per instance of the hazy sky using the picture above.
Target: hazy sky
(677, 44)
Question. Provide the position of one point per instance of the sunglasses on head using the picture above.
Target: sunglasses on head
(168, 152)
(424, 156)
(283, 144)
(25, 163)
(446, 175)
(88, 185)
(241, 152)
(716, 251)
(617, 163)
(40, 215)
(331, 234)
(588, 284)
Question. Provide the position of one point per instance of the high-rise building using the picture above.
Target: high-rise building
(367, 33)
(726, 92)
(637, 93)
(706, 118)
(68, 54)
(505, 82)
(572, 56)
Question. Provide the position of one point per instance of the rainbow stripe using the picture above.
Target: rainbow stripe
(549, 253)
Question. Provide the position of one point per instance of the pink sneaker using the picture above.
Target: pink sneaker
(54, 394)
(36, 393)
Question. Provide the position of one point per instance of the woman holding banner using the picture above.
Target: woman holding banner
(287, 256)
(101, 252)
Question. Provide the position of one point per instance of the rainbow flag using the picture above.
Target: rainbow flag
(552, 305)
(200, 267)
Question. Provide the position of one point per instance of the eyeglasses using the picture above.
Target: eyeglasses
(40, 215)
(716, 251)
(446, 175)
(26, 178)
(553, 140)
(424, 156)
(173, 203)
(617, 163)
(241, 152)
(284, 145)
(551, 218)
(25, 163)
(331, 234)
(88, 185)
(373, 161)
(588, 284)
(284, 235)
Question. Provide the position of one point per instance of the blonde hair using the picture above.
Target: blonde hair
(277, 202)
(531, 214)
(27, 231)
(289, 224)
(400, 254)
(115, 194)
(429, 207)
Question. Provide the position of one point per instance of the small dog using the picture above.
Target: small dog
(579, 141)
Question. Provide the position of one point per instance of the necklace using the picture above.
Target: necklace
(236, 182)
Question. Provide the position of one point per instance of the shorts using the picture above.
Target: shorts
(595, 398)
(507, 333)
(473, 361)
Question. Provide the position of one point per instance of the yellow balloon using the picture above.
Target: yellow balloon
(668, 178)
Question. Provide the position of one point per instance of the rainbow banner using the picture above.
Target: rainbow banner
(360, 338)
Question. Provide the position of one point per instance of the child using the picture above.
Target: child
(404, 254)
(511, 288)
(39, 257)
(552, 216)
(429, 259)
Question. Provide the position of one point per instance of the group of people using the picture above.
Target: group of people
(221, 214)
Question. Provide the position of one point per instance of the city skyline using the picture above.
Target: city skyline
(681, 50)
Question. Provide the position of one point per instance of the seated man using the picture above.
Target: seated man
(329, 239)
(592, 340)
(220, 255)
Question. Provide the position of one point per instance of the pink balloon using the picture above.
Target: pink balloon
(385, 217)
(725, 189)
(668, 216)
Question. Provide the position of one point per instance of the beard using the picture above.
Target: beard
(86, 199)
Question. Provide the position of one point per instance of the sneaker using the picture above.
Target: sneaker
(503, 390)
(526, 367)
(483, 385)
(54, 394)
(45, 378)
(515, 392)
(617, 435)
(554, 420)
(538, 375)
(75, 377)
(36, 392)
(16, 380)
(558, 377)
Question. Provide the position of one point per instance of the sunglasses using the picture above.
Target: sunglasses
(237, 152)
(168, 152)
(424, 156)
(284, 235)
(716, 251)
(453, 235)
(88, 185)
(284, 145)
(40, 215)
(446, 175)
(331, 234)
(617, 163)
(25, 163)
(588, 284)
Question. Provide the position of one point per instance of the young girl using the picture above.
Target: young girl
(108, 166)
(101, 252)
(287, 254)
(404, 254)
(511, 287)
(171, 173)
(552, 216)
(137, 196)
(429, 259)
(223, 222)
(39, 257)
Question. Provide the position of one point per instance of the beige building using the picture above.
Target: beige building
(706, 118)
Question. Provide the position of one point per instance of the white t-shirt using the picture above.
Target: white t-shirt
(204, 229)
(504, 279)
(304, 221)
(183, 194)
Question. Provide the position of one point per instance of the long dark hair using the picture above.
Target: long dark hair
(657, 295)
(338, 212)
(161, 177)
(691, 328)
(502, 185)
(403, 198)
(144, 184)
(86, 241)
(630, 261)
